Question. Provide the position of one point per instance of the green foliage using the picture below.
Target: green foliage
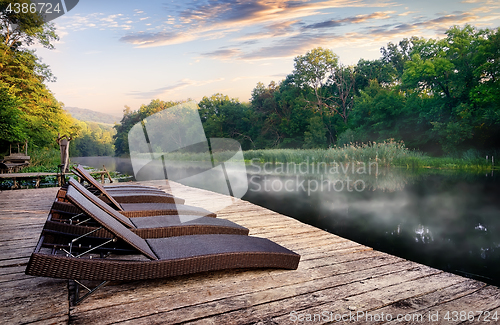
(347, 137)
(386, 153)
(366, 71)
(20, 29)
(225, 117)
(383, 153)
(315, 137)
(130, 118)
(11, 124)
(29, 109)
(332, 82)
(315, 67)
(44, 158)
(94, 139)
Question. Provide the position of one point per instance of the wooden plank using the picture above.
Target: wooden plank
(26, 299)
(205, 298)
(417, 305)
(11, 270)
(256, 306)
(33, 299)
(14, 262)
(62, 320)
(485, 299)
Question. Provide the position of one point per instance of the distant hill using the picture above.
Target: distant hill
(88, 115)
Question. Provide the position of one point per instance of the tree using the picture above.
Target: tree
(397, 54)
(11, 123)
(315, 137)
(24, 29)
(367, 70)
(41, 116)
(314, 69)
(332, 83)
(225, 117)
(93, 139)
(342, 90)
(454, 73)
(131, 118)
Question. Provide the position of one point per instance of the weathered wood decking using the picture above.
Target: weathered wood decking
(335, 277)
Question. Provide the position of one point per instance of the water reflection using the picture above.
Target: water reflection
(121, 165)
(444, 219)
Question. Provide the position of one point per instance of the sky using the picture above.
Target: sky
(116, 53)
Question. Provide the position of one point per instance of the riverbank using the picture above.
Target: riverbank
(385, 154)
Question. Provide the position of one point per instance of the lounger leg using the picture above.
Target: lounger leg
(77, 299)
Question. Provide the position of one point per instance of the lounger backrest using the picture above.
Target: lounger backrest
(85, 175)
(100, 203)
(110, 223)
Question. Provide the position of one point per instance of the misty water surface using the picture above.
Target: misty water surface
(446, 219)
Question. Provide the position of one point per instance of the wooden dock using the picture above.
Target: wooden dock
(337, 278)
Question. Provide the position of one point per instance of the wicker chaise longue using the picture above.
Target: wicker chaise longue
(123, 255)
(77, 217)
(146, 209)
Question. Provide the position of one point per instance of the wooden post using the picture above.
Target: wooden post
(63, 142)
(109, 176)
(102, 178)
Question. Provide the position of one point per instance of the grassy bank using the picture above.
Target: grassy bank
(43, 160)
(387, 153)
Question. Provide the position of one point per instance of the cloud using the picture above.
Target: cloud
(222, 54)
(279, 76)
(160, 91)
(78, 22)
(406, 13)
(349, 20)
(156, 39)
(151, 94)
(290, 47)
(243, 12)
(280, 29)
(445, 21)
(285, 48)
(219, 18)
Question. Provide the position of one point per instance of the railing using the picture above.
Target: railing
(38, 177)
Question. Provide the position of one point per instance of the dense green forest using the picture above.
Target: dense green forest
(441, 96)
(93, 139)
(28, 110)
